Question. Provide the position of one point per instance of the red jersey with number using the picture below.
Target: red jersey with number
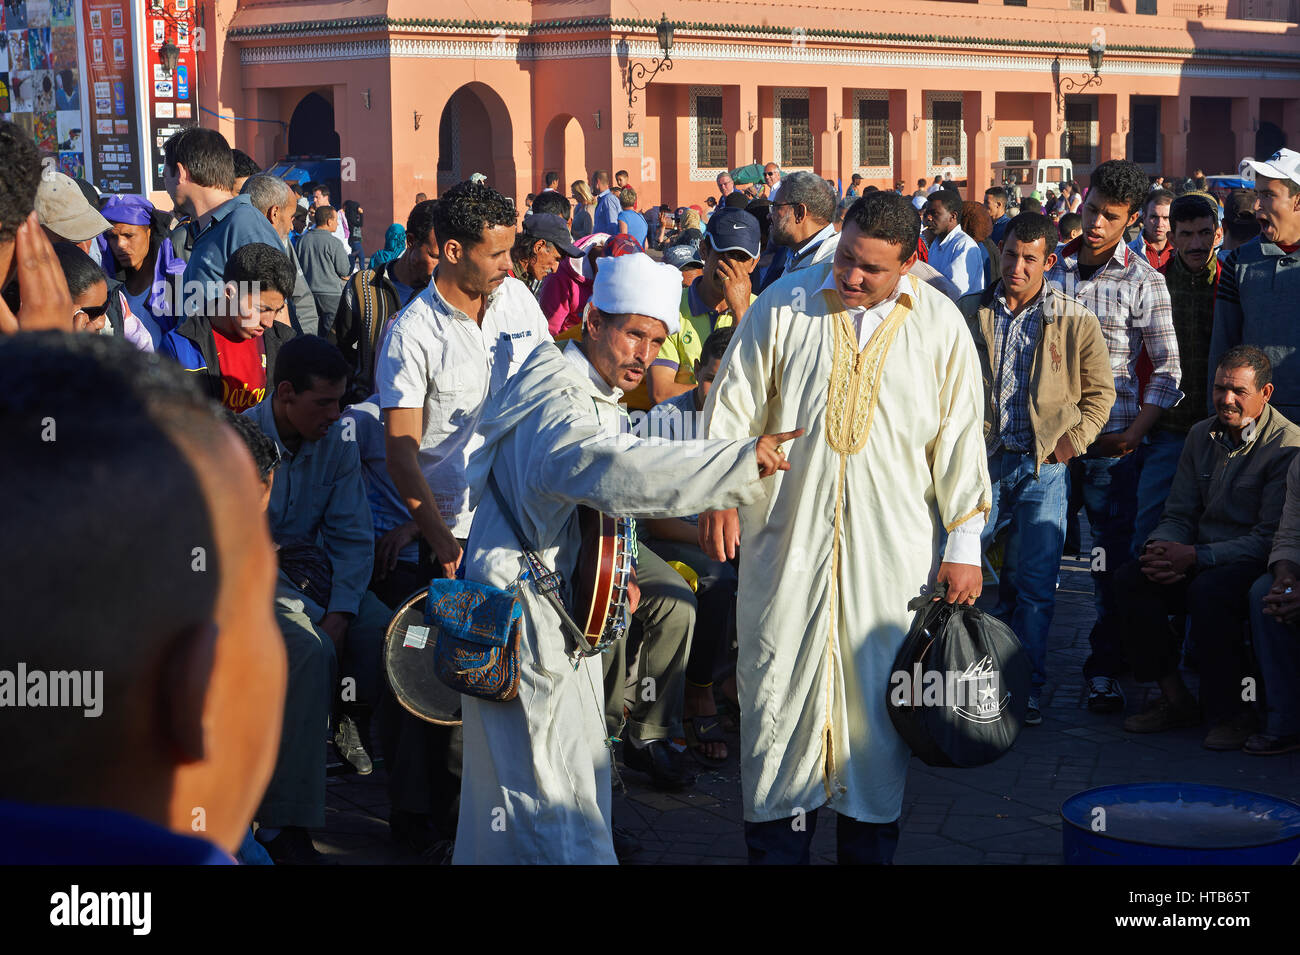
(243, 371)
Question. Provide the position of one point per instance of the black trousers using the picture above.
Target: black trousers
(423, 759)
(789, 841)
(1215, 601)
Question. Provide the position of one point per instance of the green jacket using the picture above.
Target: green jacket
(1071, 384)
(1228, 501)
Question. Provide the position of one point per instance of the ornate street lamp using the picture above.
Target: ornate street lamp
(638, 71)
(169, 55)
(1068, 84)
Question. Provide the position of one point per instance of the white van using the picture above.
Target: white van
(1022, 177)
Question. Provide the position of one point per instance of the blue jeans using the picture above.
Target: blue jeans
(1110, 498)
(1277, 647)
(1034, 509)
(1158, 463)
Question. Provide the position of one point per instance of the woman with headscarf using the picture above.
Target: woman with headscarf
(143, 261)
(584, 209)
(394, 246)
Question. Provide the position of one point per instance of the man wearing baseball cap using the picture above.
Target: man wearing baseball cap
(538, 247)
(687, 260)
(1260, 283)
(64, 212)
(718, 298)
(536, 784)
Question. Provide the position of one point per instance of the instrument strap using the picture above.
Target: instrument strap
(545, 581)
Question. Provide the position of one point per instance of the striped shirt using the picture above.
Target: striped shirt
(1131, 300)
(1014, 340)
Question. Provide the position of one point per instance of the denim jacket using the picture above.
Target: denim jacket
(319, 495)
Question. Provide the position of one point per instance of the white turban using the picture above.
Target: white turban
(637, 284)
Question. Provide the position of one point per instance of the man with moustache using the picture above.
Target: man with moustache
(881, 370)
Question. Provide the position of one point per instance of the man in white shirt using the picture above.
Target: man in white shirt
(452, 345)
(772, 178)
(953, 253)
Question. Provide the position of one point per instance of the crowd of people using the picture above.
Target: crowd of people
(931, 388)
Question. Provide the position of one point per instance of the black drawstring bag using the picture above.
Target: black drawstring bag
(960, 686)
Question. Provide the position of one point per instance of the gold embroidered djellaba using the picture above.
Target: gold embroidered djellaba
(855, 379)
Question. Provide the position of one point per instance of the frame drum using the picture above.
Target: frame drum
(408, 664)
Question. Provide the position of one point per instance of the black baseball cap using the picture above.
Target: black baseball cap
(549, 226)
(734, 230)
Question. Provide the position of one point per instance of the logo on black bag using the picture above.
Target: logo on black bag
(974, 694)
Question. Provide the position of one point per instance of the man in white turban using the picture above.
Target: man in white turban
(536, 784)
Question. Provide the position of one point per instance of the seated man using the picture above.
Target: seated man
(233, 343)
(1274, 614)
(423, 759)
(1210, 546)
(320, 521)
(164, 755)
(677, 538)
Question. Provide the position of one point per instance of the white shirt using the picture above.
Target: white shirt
(774, 191)
(963, 545)
(958, 257)
(439, 359)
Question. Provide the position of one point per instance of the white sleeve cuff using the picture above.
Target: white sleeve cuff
(964, 542)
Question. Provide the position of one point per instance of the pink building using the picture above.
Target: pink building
(891, 89)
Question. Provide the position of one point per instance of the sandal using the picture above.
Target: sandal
(701, 730)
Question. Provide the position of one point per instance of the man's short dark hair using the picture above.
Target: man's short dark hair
(244, 165)
(1248, 356)
(600, 175)
(1189, 208)
(715, 346)
(998, 193)
(948, 199)
(262, 265)
(468, 208)
(205, 154)
(306, 357)
(887, 216)
(1068, 223)
(1118, 180)
(265, 454)
(1158, 196)
(20, 175)
(322, 215)
(121, 417)
(1030, 204)
(623, 173)
(79, 269)
(419, 224)
(554, 203)
(316, 187)
(1243, 230)
(551, 180)
(1030, 227)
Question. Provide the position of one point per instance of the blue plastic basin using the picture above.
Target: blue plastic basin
(1179, 824)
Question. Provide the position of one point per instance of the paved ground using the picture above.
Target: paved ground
(1007, 812)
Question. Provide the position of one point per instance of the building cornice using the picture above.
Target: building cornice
(374, 24)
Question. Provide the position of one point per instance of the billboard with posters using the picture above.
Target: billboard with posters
(111, 79)
(173, 100)
(40, 81)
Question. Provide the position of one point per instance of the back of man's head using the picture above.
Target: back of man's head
(419, 224)
(135, 552)
(265, 191)
(258, 265)
(626, 198)
(1069, 225)
(553, 203)
(1030, 204)
(600, 179)
(323, 215)
(205, 154)
(20, 175)
(552, 180)
(244, 164)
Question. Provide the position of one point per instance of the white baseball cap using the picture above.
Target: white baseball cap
(1283, 164)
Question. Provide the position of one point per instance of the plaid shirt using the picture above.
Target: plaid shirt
(1011, 359)
(1131, 300)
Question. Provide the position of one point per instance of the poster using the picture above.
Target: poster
(110, 64)
(40, 78)
(173, 100)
